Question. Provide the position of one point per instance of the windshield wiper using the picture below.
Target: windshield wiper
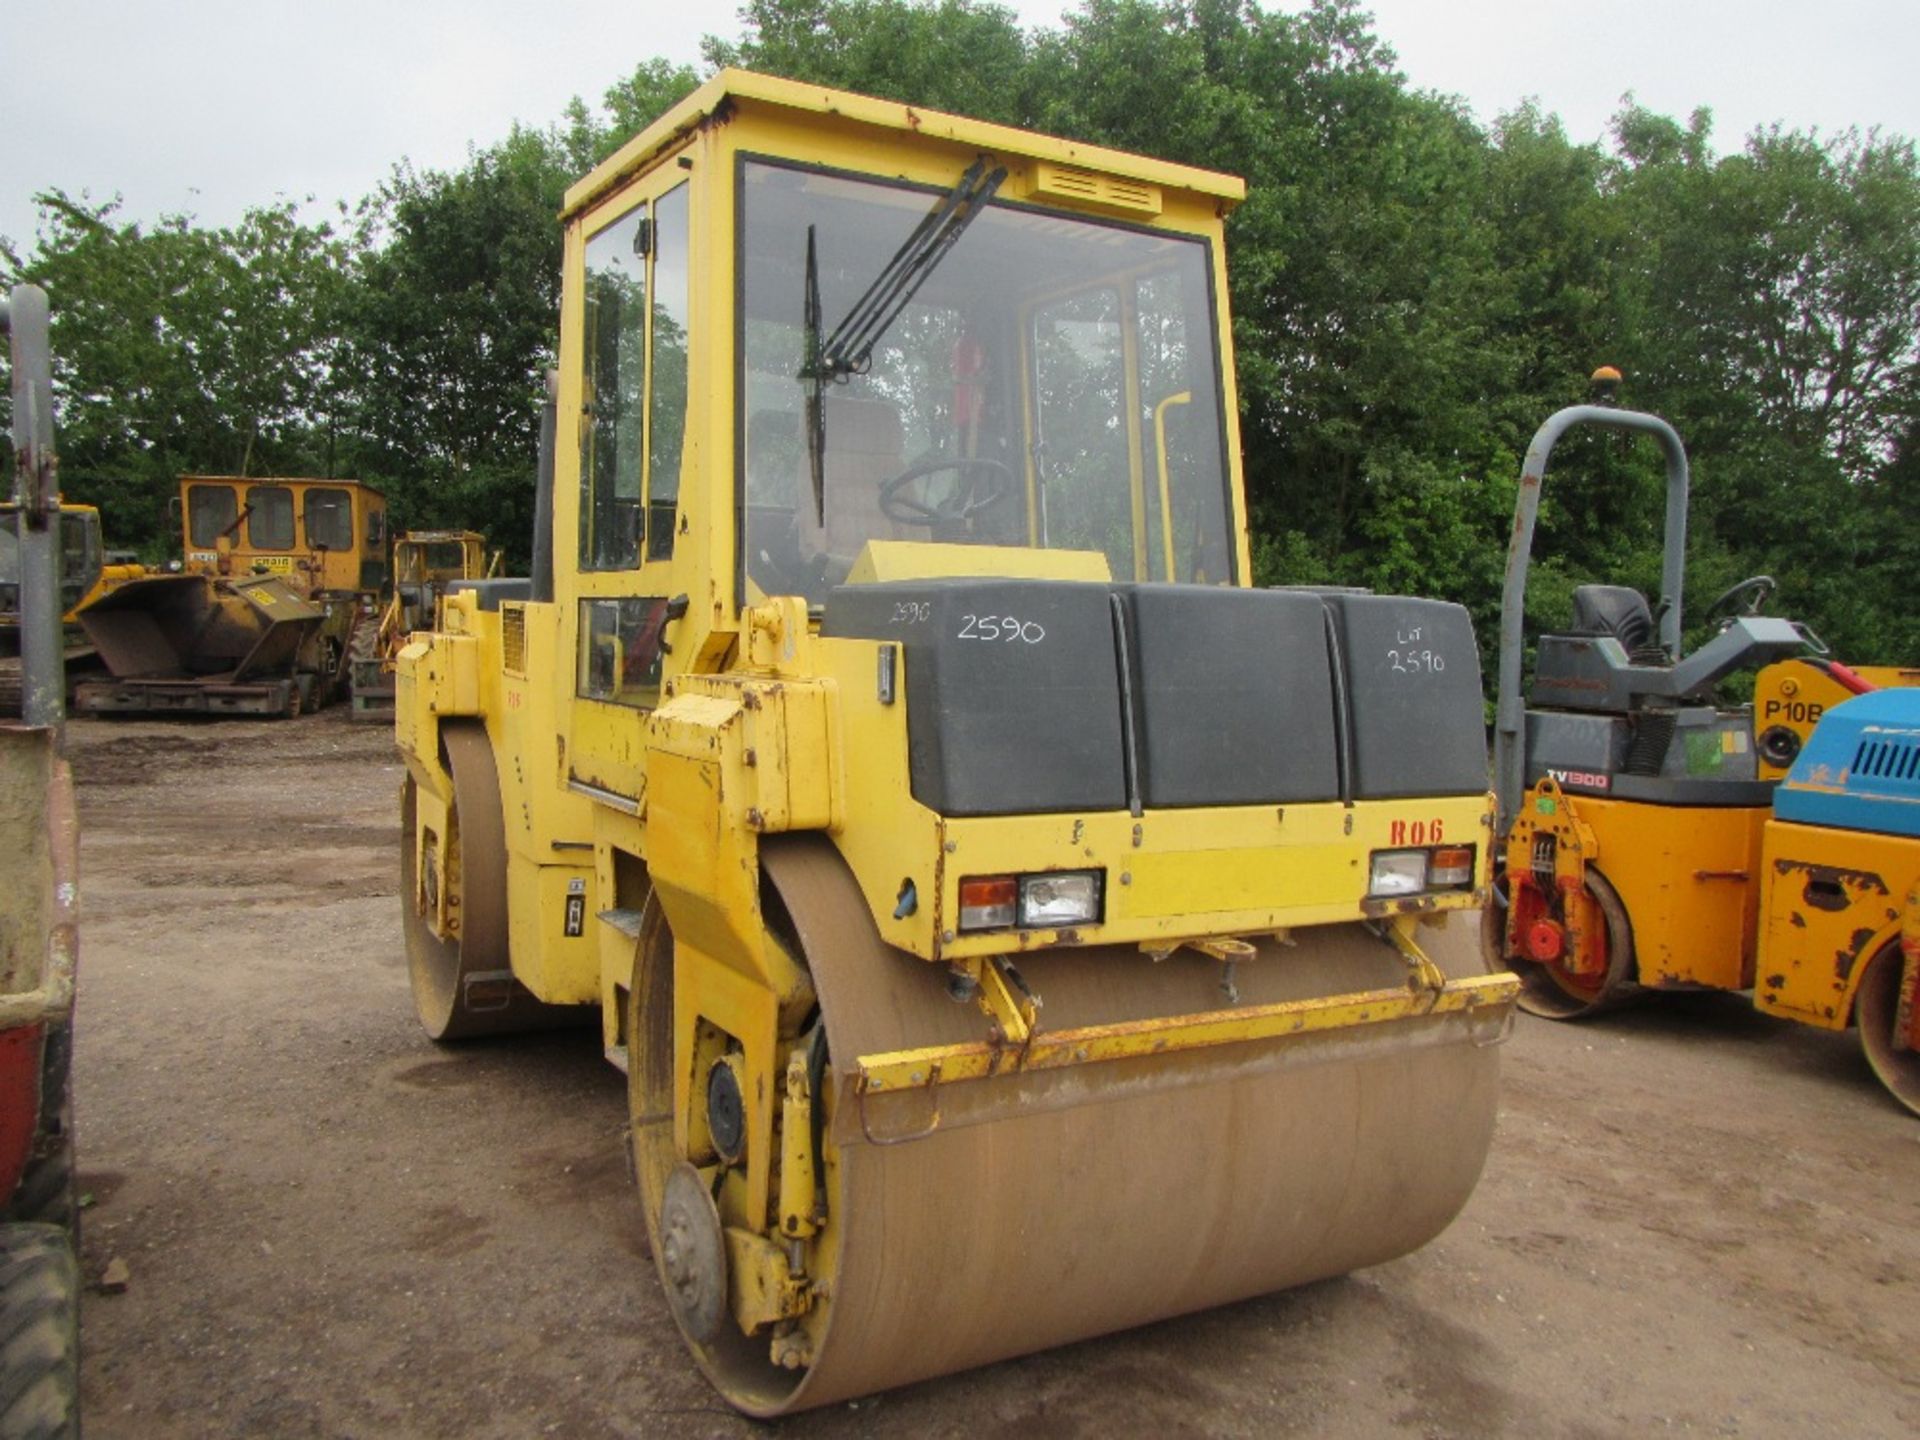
(814, 374)
(849, 349)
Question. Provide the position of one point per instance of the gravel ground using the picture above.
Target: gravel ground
(1695, 1220)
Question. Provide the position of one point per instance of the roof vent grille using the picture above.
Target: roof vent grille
(1088, 188)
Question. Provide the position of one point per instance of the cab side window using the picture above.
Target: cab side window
(634, 384)
(614, 387)
(668, 405)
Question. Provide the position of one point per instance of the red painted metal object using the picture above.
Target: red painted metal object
(21, 1049)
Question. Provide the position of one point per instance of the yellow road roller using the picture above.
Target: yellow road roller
(1013, 925)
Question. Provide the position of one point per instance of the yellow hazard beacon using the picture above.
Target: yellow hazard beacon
(1014, 926)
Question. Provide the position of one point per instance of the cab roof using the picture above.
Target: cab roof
(746, 85)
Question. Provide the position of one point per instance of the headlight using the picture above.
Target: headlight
(1043, 901)
(1398, 872)
(1063, 897)
(1409, 872)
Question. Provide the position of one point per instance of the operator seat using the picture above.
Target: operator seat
(866, 447)
(1616, 610)
(787, 551)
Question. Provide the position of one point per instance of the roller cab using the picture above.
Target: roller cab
(1012, 924)
(325, 537)
(86, 572)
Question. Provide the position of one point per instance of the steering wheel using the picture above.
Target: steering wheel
(1746, 598)
(988, 482)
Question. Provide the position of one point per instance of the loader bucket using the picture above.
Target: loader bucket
(193, 625)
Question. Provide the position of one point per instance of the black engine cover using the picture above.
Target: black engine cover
(1041, 696)
(1013, 690)
(1412, 672)
(1233, 696)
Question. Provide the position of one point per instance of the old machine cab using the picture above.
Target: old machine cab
(969, 867)
(324, 536)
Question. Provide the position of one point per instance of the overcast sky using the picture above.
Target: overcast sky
(208, 106)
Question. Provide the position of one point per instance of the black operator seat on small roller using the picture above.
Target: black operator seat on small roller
(1616, 610)
(1572, 672)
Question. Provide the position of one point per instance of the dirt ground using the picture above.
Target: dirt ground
(1695, 1219)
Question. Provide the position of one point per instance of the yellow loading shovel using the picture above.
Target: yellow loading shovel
(1146, 1151)
(195, 644)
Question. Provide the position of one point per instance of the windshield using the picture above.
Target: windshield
(79, 555)
(1053, 384)
(10, 565)
(420, 559)
(270, 517)
(211, 511)
(329, 519)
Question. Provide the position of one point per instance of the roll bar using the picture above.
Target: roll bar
(1510, 716)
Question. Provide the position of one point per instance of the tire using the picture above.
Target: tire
(464, 987)
(39, 1334)
(1493, 922)
(45, 1196)
(364, 642)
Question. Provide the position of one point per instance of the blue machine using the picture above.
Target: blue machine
(1860, 769)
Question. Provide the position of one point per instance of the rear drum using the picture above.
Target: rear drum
(986, 1219)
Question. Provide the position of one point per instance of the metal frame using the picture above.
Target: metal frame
(1510, 719)
(24, 316)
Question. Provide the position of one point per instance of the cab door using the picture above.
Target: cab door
(635, 561)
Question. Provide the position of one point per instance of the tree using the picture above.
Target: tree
(953, 55)
(1412, 295)
(451, 323)
(631, 104)
(179, 349)
(1774, 309)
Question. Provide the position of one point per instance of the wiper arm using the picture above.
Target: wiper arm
(849, 349)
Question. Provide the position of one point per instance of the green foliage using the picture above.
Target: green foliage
(631, 104)
(451, 324)
(1413, 294)
(946, 54)
(179, 349)
(1773, 308)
